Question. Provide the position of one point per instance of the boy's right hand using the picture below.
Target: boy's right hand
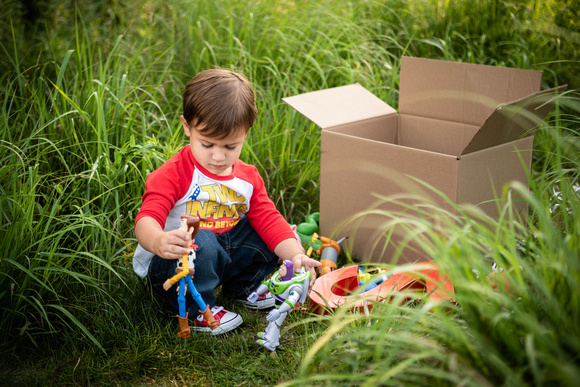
(172, 244)
(169, 245)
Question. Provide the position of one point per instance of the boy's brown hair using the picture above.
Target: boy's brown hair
(218, 102)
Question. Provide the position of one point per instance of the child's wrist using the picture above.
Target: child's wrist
(156, 245)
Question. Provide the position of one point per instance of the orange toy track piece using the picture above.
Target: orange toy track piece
(335, 289)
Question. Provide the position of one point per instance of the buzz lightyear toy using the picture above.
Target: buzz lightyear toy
(287, 287)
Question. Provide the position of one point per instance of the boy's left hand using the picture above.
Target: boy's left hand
(291, 249)
(300, 260)
(309, 264)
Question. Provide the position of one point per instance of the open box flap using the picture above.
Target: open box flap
(339, 105)
(460, 92)
(515, 120)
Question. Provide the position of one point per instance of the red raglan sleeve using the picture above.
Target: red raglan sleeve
(263, 215)
(163, 188)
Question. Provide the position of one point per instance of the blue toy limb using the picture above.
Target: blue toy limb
(181, 298)
(369, 281)
(203, 307)
(195, 294)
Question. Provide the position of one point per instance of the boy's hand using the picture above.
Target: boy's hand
(291, 249)
(169, 245)
(172, 244)
(309, 264)
(300, 260)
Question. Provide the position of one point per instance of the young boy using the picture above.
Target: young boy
(242, 236)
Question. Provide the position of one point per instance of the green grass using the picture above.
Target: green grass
(90, 105)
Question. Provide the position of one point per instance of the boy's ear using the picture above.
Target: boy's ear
(185, 126)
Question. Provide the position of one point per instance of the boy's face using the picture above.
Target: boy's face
(282, 271)
(216, 156)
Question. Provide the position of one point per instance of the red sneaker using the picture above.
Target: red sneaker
(227, 320)
(264, 301)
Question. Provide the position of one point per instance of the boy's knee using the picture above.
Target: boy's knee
(209, 253)
(205, 238)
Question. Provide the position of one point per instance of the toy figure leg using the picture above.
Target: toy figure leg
(195, 294)
(270, 338)
(181, 298)
(203, 307)
(182, 316)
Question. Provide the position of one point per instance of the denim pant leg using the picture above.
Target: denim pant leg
(251, 260)
(159, 271)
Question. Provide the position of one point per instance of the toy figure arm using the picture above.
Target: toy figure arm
(173, 280)
(253, 297)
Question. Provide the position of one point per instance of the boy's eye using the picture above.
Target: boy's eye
(210, 145)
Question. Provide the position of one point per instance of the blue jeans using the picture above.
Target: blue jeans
(239, 260)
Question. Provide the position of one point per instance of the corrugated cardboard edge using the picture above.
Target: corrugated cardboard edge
(460, 92)
(339, 105)
(514, 120)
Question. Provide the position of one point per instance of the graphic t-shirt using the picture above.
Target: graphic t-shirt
(182, 186)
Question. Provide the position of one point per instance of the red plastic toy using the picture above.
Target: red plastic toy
(336, 288)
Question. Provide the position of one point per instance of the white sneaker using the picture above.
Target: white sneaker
(265, 301)
(227, 320)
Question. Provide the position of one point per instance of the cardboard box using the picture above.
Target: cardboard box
(449, 133)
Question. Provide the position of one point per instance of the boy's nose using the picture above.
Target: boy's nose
(218, 156)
